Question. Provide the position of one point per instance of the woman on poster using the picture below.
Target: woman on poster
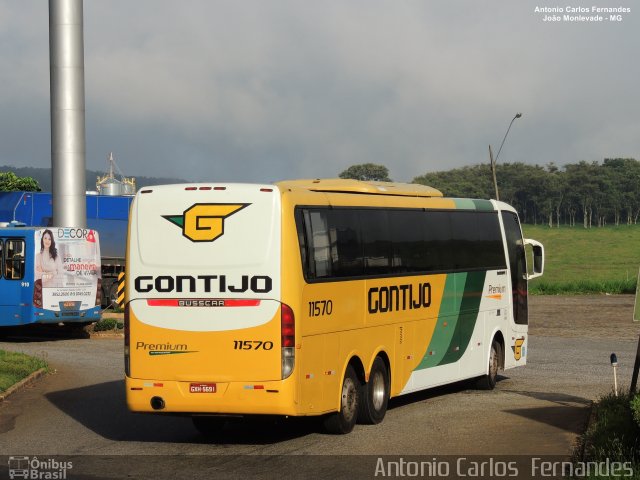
(48, 263)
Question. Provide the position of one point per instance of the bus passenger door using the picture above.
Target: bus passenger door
(12, 280)
(516, 343)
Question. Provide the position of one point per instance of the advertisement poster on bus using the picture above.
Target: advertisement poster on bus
(67, 269)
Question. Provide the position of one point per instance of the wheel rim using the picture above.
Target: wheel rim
(349, 399)
(378, 390)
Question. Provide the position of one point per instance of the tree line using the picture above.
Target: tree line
(10, 182)
(586, 193)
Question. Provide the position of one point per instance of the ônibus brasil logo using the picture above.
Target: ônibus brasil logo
(204, 222)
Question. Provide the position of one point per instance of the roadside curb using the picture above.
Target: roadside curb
(22, 383)
(106, 334)
(583, 445)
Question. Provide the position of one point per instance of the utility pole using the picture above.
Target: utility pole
(68, 164)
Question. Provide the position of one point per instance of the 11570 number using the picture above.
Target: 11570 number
(320, 307)
(252, 345)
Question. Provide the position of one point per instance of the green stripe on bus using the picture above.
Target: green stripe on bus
(467, 318)
(464, 204)
(484, 205)
(454, 328)
(445, 327)
(469, 204)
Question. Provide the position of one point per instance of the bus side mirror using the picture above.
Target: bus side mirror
(538, 258)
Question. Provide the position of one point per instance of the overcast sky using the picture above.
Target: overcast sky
(264, 90)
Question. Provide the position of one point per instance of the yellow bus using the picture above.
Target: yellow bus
(317, 297)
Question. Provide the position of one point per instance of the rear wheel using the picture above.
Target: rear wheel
(488, 381)
(209, 427)
(343, 420)
(374, 396)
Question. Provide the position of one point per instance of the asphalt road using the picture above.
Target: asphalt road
(537, 410)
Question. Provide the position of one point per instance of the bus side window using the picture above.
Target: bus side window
(345, 242)
(1, 257)
(320, 244)
(14, 259)
(376, 241)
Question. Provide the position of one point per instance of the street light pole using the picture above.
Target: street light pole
(494, 161)
(493, 171)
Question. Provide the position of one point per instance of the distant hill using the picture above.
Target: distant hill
(43, 176)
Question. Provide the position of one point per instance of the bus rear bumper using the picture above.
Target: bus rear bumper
(232, 398)
(75, 316)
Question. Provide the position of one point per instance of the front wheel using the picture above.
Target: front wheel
(374, 396)
(488, 381)
(344, 420)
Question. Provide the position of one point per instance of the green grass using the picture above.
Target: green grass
(613, 434)
(16, 366)
(595, 260)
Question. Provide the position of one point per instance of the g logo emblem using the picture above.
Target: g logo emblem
(517, 348)
(204, 222)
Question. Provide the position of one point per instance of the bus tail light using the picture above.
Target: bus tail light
(288, 331)
(127, 356)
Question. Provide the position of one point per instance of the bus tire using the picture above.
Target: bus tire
(488, 381)
(344, 420)
(209, 427)
(374, 395)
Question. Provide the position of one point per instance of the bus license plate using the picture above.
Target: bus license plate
(202, 388)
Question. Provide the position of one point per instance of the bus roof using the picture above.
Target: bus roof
(340, 185)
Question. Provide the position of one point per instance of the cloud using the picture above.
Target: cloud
(259, 91)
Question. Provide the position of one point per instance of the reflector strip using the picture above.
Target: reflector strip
(254, 387)
(241, 303)
(162, 303)
(153, 384)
